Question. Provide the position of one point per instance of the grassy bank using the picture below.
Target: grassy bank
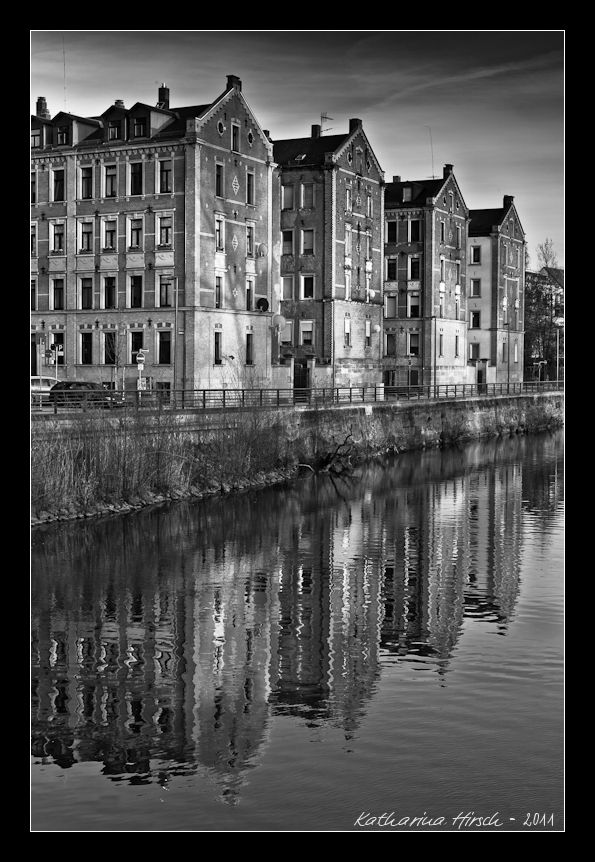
(102, 460)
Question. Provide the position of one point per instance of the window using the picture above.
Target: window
(33, 294)
(475, 319)
(307, 242)
(348, 240)
(414, 230)
(414, 268)
(58, 236)
(441, 344)
(33, 240)
(368, 333)
(165, 176)
(110, 181)
(136, 232)
(218, 348)
(516, 351)
(86, 183)
(413, 307)
(250, 188)
(249, 293)
(140, 127)
(442, 231)
(86, 348)
(219, 185)
(442, 270)
(165, 291)
(457, 345)
(57, 294)
(413, 344)
(35, 137)
(136, 291)
(218, 291)
(308, 195)
(33, 187)
(441, 311)
(249, 240)
(219, 232)
(391, 231)
(235, 137)
(458, 236)
(391, 344)
(86, 293)
(109, 234)
(348, 285)
(348, 199)
(62, 136)
(450, 202)
(164, 348)
(287, 287)
(136, 344)
(109, 292)
(165, 231)
(307, 287)
(369, 207)
(503, 351)
(347, 332)
(476, 287)
(457, 308)
(474, 351)
(59, 184)
(475, 254)
(109, 348)
(407, 194)
(287, 236)
(390, 306)
(136, 178)
(249, 348)
(286, 334)
(458, 271)
(287, 197)
(113, 130)
(307, 333)
(86, 236)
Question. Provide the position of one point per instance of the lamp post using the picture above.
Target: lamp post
(559, 324)
(507, 325)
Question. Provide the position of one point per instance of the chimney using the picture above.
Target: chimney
(397, 179)
(315, 131)
(354, 125)
(233, 81)
(508, 199)
(119, 103)
(266, 133)
(42, 108)
(447, 171)
(163, 96)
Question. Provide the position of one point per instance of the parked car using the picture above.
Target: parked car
(40, 390)
(82, 393)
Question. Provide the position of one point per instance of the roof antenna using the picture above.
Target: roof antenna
(324, 118)
(64, 62)
(432, 148)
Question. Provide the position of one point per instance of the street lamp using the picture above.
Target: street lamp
(559, 324)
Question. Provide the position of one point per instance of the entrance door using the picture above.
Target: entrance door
(301, 381)
(33, 356)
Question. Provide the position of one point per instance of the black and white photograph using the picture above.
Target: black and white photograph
(297, 544)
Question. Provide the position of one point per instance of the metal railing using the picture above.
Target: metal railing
(238, 399)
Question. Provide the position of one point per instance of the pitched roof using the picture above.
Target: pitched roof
(556, 275)
(482, 221)
(313, 149)
(420, 191)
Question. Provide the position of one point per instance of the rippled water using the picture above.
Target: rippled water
(312, 657)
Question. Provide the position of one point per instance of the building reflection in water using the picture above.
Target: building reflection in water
(164, 641)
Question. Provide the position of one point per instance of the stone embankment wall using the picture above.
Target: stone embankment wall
(283, 439)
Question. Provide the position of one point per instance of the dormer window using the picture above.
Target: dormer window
(35, 137)
(62, 136)
(407, 193)
(140, 127)
(300, 158)
(113, 130)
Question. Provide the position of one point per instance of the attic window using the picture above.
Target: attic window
(300, 158)
(407, 193)
(368, 165)
(250, 137)
(349, 158)
(220, 127)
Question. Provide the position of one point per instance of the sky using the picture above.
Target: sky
(489, 102)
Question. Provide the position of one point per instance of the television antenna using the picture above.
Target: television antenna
(432, 149)
(324, 118)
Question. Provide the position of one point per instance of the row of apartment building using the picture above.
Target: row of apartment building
(231, 259)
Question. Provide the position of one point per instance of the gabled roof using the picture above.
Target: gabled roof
(182, 114)
(483, 221)
(63, 115)
(301, 152)
(421, 190)
(556, 275)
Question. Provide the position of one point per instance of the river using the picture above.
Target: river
(376, 652)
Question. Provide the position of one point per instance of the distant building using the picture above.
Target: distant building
(544, 324)
(495, 300)
(152, 229)
(330, 286)
(425, 325)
